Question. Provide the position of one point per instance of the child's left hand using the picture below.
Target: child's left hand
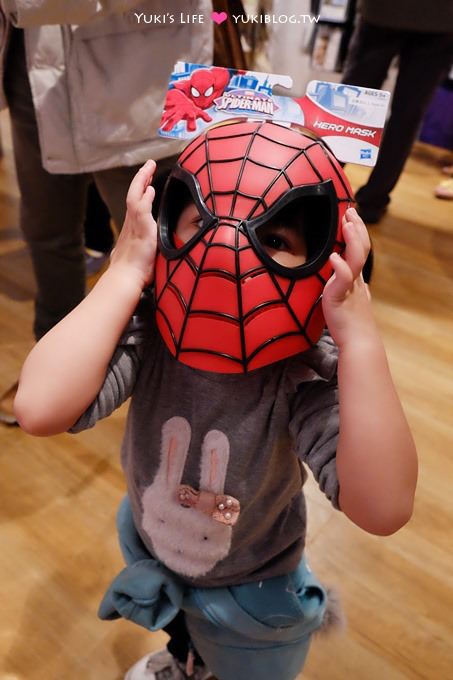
(346, 300)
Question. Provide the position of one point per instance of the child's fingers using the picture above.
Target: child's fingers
(354, 252)
(146, 201)
(353, 216)
(139, 184)
(356, 249)
(141, 180)
(343, 278)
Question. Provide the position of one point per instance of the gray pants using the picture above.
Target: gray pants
(424, 59)
(52, 207)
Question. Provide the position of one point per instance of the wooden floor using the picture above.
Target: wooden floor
(58, 496)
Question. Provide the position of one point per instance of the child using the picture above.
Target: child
(232, 386)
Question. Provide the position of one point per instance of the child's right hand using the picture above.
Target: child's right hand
(53, 390)
(135, 250)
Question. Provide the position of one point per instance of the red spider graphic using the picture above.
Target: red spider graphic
(188, 99)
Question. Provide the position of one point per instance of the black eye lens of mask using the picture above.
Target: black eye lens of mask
(300, 228)
(180, 191)
(177, 198)
(302, 224)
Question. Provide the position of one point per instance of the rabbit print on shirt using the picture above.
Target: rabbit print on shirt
(189, 540)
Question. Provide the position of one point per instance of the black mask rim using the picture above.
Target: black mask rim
(324, 189)
(166, 245)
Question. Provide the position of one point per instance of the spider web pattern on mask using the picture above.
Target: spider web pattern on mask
(232, 204)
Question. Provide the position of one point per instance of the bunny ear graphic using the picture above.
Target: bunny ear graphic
(189, 535)
(176, 435)
(215, 453)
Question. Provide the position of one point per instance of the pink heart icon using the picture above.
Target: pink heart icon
(219, 17)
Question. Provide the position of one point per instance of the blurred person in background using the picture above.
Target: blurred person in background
(420, 34)
(98, 233)
(85, 84)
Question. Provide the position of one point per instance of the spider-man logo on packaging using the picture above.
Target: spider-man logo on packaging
(223, 303)
(188, 99)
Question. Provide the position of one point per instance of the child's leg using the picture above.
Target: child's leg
(146, 593)
(180, 661)
(180, 644)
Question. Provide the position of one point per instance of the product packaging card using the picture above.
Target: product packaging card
(348, 119)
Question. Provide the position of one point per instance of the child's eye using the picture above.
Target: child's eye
(275, 242)
(284, 244)
(197, 222)
(188, 225)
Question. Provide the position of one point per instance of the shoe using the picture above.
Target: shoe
(163, 666)
(367, 269)
(444, 189)
(7, 416)
(371, 210)
(156, 666)
(371, 215)
(94, 260)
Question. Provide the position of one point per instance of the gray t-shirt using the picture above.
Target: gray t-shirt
(203, 449)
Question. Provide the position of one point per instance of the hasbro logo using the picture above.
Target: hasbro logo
(365, 153)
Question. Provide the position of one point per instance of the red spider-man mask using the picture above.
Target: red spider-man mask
(226, 301)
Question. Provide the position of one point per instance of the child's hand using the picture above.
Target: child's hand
(376, 460)
(135, 249)
(346, 302)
